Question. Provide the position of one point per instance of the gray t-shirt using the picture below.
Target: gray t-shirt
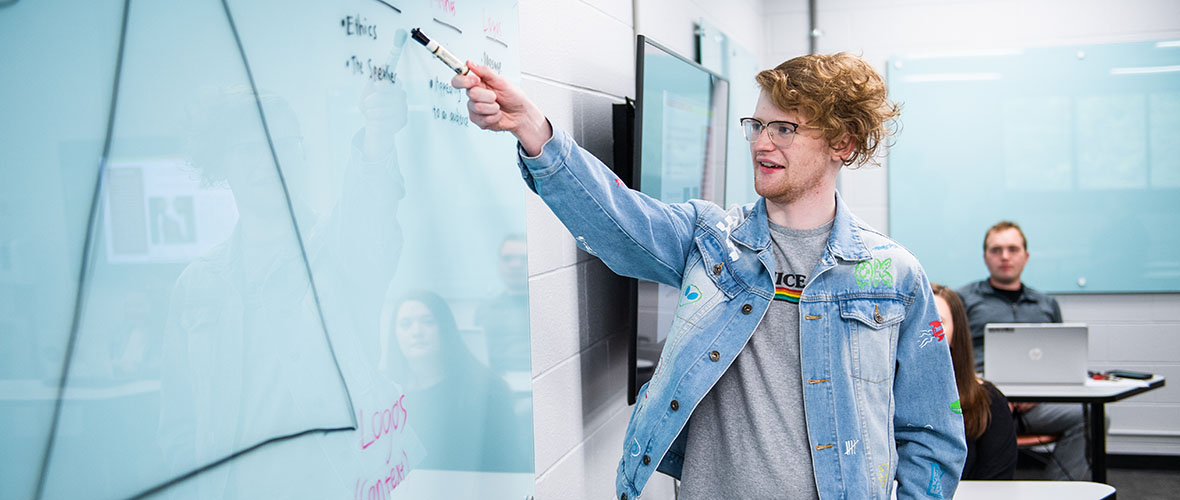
(748, 436)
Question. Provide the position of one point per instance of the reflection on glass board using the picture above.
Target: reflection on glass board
(503, 316)
(464, 410)
(1076, 144)
(682, 157)
(1114, 154)
(721, 54)
(203, 233)
(1164, 124)
(1036, 131)
(686, 133)
(682, 109)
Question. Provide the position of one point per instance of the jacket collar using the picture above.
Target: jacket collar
(754, 230)
(844, 243)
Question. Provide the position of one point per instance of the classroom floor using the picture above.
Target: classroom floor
(1138, 483)
(1144, 484)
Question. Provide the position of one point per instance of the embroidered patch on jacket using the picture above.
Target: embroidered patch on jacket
(726, 226)
(957, 407)
(934, 489)
(874, 273)
(937, 332)
(850, 446)
(934, 333)
(691, 294)
(925, 339)
(585, 246)
(883, 474)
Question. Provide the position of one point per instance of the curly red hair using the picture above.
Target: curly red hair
(841, 95)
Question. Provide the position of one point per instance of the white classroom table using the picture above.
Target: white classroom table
(1095, 393)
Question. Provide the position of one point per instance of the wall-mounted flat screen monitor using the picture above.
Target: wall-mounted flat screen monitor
(681, 112)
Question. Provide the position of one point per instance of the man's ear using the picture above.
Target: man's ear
(842, 149)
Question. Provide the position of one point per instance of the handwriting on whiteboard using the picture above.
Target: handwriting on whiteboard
(445, 6)
(358, 26)
(491, 25)
(382, 487)
(380, 424)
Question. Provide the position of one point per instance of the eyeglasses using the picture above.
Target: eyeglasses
(780, 132)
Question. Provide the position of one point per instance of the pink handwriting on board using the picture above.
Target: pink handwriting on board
(383, 487)
(381, 423)
(446, 6)
(491, 26)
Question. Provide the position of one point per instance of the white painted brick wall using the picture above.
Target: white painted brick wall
(577, 58)
(1138, 332)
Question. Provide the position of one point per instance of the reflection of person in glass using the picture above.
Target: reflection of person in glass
(248, 359)
(505, 317)
(133, 351)
(459, 409)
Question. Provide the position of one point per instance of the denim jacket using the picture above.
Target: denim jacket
(879, 390)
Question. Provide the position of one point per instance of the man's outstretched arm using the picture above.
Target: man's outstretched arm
(634, 234)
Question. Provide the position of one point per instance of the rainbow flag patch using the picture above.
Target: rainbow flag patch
(788, 294)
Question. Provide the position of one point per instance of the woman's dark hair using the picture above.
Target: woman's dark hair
(452, 350)
(973, 397)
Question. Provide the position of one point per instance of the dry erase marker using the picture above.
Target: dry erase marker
(442, 54)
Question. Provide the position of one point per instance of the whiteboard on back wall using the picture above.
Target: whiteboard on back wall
(1078, 145)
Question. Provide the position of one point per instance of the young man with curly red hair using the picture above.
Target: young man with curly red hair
(806, 358)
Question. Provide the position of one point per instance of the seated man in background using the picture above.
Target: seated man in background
(1003, 298)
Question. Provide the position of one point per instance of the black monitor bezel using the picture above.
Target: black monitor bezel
(631, 114)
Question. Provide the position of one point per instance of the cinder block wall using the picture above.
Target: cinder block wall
(577, 59)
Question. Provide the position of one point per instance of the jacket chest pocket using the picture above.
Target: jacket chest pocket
(872, 329)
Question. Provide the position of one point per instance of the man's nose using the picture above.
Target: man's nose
(762, 142)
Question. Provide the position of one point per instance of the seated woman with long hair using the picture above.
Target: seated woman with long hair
(991, 431)
(460, 410)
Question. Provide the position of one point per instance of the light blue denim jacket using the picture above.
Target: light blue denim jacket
(879, 390)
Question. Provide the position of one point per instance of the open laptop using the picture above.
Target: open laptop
(1036, 353)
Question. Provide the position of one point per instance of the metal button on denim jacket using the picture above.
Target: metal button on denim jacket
(879, 390)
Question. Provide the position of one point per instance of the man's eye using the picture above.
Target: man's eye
(783, 129)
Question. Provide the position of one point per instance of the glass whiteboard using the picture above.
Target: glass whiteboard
(254, 249)
(1078, 145)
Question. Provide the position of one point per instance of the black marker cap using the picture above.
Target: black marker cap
(419, 36)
